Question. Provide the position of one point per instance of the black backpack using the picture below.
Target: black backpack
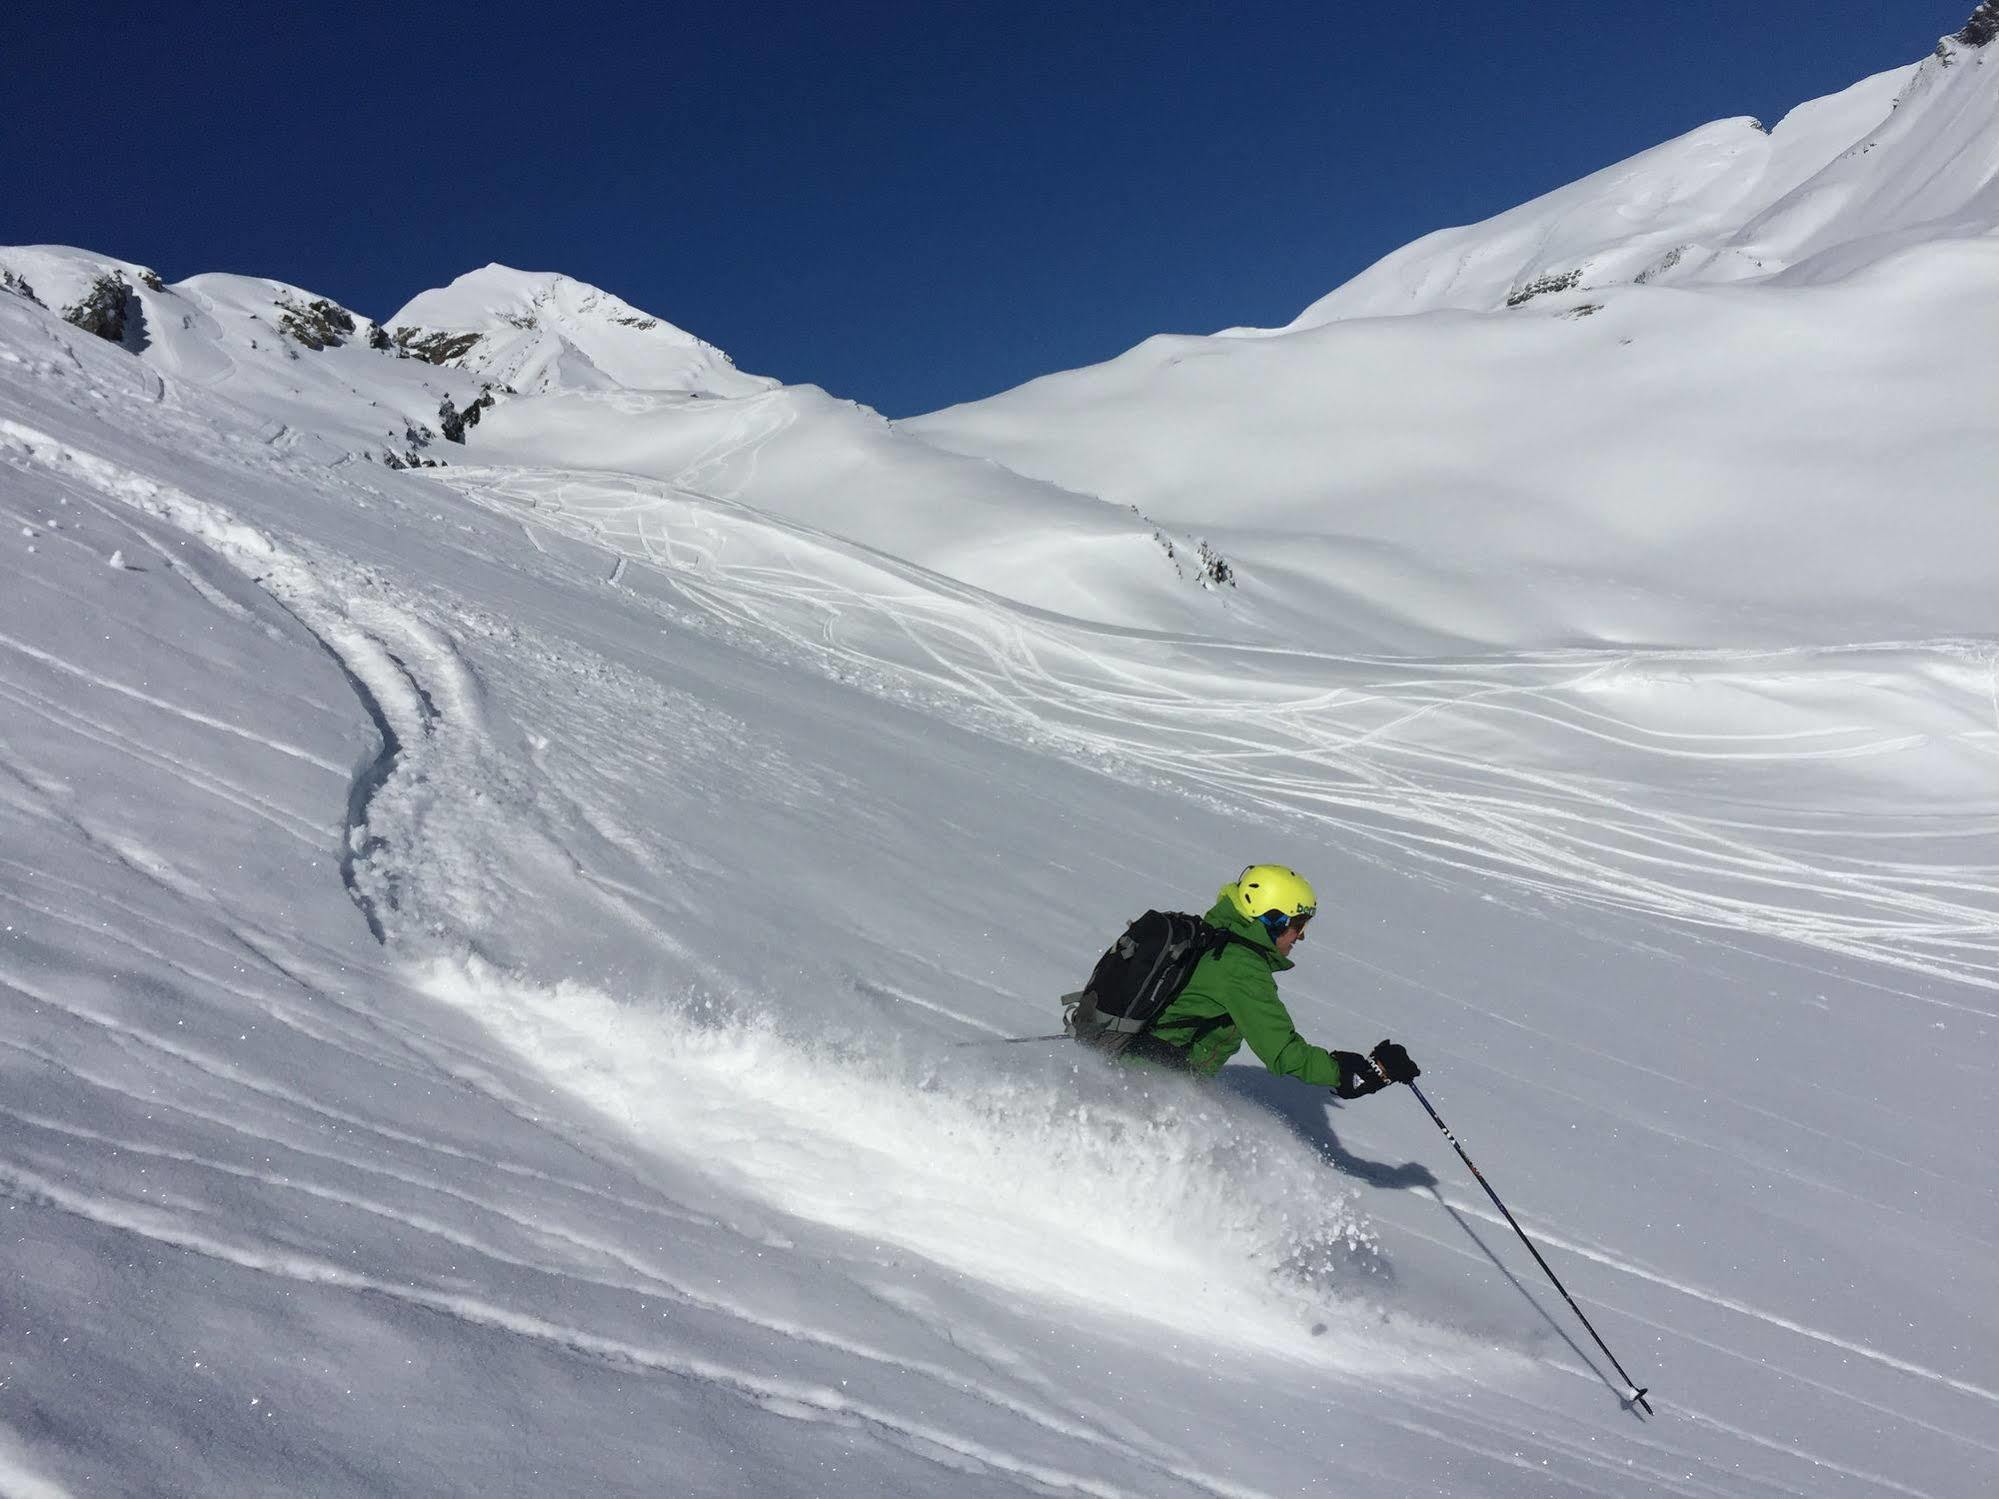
(1139, 975)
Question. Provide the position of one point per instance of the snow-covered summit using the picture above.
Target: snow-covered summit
(541, 331)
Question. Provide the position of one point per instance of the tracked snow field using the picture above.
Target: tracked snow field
(1685, 783)
(506, 977)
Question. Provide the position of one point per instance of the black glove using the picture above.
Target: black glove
(1357, 1076)
(1394, 1061)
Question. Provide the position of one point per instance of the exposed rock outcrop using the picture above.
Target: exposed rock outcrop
(318, 324)
(1542, 286)
(108, 308)
(18, 285)
(433, 348)
(452, 422)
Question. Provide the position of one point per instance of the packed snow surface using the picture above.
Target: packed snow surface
(510, 968)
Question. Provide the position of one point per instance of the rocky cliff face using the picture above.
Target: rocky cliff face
(109, 309)
(1983, 25)
(316, 323)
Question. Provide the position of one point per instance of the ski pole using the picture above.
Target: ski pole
(1632, 1391)
(1014, 1040)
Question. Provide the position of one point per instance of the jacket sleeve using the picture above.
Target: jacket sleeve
(1252, 1002)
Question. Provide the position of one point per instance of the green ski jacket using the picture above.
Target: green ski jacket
(1232, 998)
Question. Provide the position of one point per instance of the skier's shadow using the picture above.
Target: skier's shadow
(1309, 1112)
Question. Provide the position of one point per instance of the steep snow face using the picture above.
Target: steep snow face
(1907, 156)
(306, 318)
(1660, 216)
(1928, 172)
(539, 332)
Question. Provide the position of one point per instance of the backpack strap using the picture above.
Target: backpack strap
(1224, 937)
(1217, 941)
(1202, 1031)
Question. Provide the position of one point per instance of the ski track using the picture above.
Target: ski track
(645, 1277)
(1587, 1369)
(1814, 1460)
(231, 1081)
(1340, 739)
(1543, 1235)
(795, 1399)
(614, 1268)
(903, 996)
(1597, 1056)
(1547, 826)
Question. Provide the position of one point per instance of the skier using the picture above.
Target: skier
(1232, 997)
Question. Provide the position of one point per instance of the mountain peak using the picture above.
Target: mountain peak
(1983, 25)
(544, 331)
(498, 295)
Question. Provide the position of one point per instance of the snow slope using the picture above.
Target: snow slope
(504, 967)
(1737, 450)
(642, 1153)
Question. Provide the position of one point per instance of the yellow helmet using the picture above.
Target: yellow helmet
(1273, 895)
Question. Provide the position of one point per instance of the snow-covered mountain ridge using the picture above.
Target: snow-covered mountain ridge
(542, 371)
(1904, 157)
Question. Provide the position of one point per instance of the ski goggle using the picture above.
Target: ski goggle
(1277, 923)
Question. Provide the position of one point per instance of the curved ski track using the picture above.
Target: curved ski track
(1364, 745)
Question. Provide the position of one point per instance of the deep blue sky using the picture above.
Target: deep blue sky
(908, 203)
